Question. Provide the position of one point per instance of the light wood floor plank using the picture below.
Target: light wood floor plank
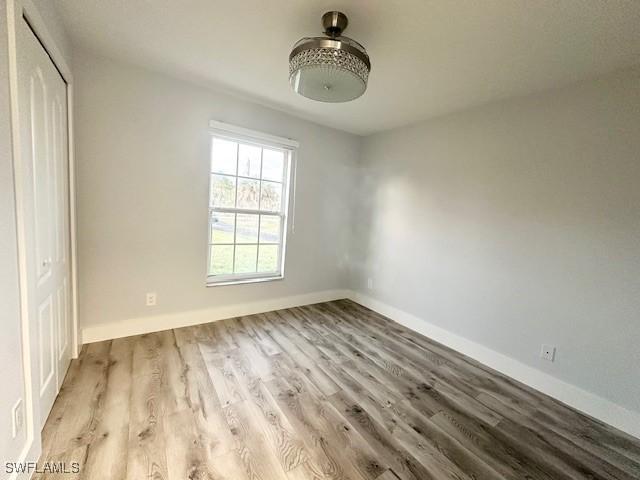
(257, 455)
(330, 391)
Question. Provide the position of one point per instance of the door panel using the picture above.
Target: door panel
(46, 329)
(40, 167)
(64, 332)
(42, 105)
(59, 176)
(63, 320)
(61, 223)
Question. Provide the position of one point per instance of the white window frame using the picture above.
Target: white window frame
(263, 140)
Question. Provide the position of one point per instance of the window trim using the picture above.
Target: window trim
(263, 140)
(234, 132)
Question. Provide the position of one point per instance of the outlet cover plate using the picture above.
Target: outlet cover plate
(152, 299)
(548, 352)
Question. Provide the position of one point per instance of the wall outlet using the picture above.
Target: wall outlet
(548, 352)
(17, 418)
(151, 299)
(370, 283)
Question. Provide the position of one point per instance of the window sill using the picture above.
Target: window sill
(240, 281)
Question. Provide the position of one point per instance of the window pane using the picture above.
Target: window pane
(222, 226)
(221, 261)
(271, 196)
(248, 191)
(246, 258)
(269, 229)
(247, 229)
(272, 165)
(223, 156)
(223, 191)
(268, 258)
(249, 161)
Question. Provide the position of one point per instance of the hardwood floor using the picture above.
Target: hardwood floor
(326, 391)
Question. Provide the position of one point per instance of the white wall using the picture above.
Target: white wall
(143, 161)
(10, 346)
(517, 224)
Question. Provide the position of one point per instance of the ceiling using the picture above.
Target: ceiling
(429, 57)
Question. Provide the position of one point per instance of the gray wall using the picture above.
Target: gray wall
(517, 224)
(143, 161)
(10, 340)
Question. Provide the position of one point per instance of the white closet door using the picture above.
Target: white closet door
(44, 172)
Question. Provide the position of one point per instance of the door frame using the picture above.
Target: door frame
(16, 10)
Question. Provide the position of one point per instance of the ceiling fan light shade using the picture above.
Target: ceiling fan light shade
(328, 75)
(329, 69)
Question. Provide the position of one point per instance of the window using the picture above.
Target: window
(248, 205)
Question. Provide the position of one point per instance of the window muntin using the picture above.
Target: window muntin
(247, 210)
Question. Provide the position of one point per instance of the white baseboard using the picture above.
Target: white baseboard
(156, 323)
(605, 410)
